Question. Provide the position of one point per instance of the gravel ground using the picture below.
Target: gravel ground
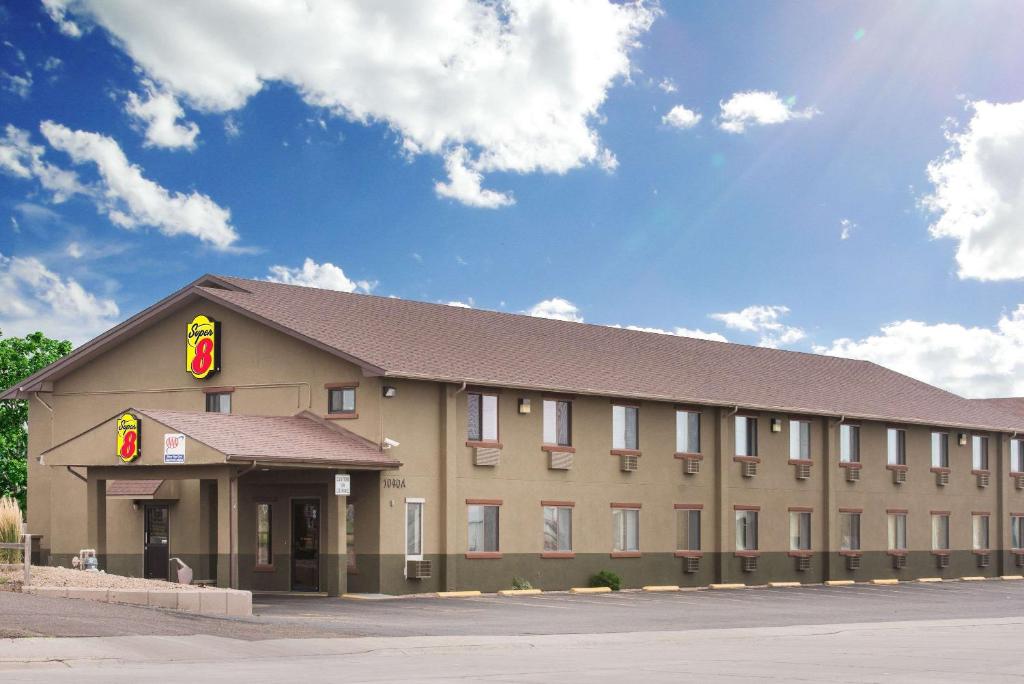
(45, 576)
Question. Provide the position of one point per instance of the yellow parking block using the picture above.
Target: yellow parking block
(929, 579)
(885, 581)
(1012, 577)
(659, 587)
(838, 583)
(777, 585)
(519, 592)
(727, 586)
(457, 594)
(590, 590)
(972, 579)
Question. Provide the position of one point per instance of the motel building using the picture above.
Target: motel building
(282, 438)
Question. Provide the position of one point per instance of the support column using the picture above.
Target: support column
(1001, 467)
(449, 456)
(336, 521)
(724, 523)
(227, 529)
(96, 511)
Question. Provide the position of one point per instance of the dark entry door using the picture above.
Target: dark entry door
(156, 551)
(306, 545)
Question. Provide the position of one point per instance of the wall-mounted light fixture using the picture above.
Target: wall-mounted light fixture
(524, 405)
(390, 391)
(962, 438)
(776, 425)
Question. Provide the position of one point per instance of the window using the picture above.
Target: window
(746, 530)
(483, 417)
(799, 440)
(940, 531)
(979, 452)
(897, 440)
(558, 422)
(979, 532)
(218, 402)
(897, 531)
(746, 436)
(849, 443)
(1017, 531)
(849, 531)
(414, 529)
(687, 529)
(558, 528)
(483, 528)
(625, 530)
(264, 536)
(625, 434)
(687, 432)
(1017, 455)
(341, 400)
(940, 450)
(799, 530)
(350, 537)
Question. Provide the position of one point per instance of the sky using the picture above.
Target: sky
(836, 178)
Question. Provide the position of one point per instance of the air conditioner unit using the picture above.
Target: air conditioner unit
(899, 562)
(630, 463)
(1019, 481)
(853, 474)
(691, 466)
(691, 564)
(560, 460)
(748, 469)
(487, 456)
(749, 563)
(899, 476)
(983, 560)
(802, 471)
(853, 562)
(803, 563)
(943, 561)
(418, 569)
(942, 478)
(983, 479)
(1019, 559)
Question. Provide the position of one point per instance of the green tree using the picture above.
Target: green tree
(20, 357)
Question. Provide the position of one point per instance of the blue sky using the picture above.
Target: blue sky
(734, 234)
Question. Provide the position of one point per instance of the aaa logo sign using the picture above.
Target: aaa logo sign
(129, 432)
(202, 347)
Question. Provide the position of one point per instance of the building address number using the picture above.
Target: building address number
(393, 482)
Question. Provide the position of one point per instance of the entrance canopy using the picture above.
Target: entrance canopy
(303, 440)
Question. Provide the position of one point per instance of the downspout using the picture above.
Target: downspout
(461, 389)
(76, 474)
(48, 408)
(239, 474)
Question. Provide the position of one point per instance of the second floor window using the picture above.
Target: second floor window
(897, 531)
(979, 529)
(849, 531)
(897, 452)
(799, 530)
(1017, 455)
(687, 529)
(940, 532)
(746, 436)
(558, 422)
(979, 452)
(799, 440)
(687, 432)
(746, 530)
(940, 450)
(218, 402)
(849, 443)
(625, 428)
(341, 400)
(482, 418)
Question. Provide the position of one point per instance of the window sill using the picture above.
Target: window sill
(803, 553)
(565, 449)
(263, 568)
(625, 452)
(747, 554)
(851, 552)
(982, 552)
(897, 466)
(941, 552)
(981, 471)
(689, 554)
(624, 554)
(481, 444)
(856, 465)
(688, 456)
(801, 461)
(940, 470)
(483, 555)
(341, 416)
(746, 459)
(896, 552)
(1014, 473)
(558, 554)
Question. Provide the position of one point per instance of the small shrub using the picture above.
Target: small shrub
(521, 583)
(606, 578)
(10, 529)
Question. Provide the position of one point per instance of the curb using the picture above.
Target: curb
(727, 586)
(1011, 577)
(519, 592)
(458, 594)
(590, 590)
(839, 583)
(784, 585)
(885, 581)
(230, 602)
(661, 587)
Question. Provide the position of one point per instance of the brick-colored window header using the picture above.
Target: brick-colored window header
(939, 512)
(896, 511)
(484, 502)
(218, 390)
(801, 509)
(626, 505)
(688, 507)
(341, 385)
(746, 508)
(561, 504)
(984, 513)
(851, 510)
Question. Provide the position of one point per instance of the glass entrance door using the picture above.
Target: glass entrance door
(156, 551)
(306, 545)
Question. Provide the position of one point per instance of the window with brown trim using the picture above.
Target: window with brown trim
(979, 452)
(849, 531)
(940, 450)
(746, 436)
(558, 422)
(558, 529)
(896, 440)
(482, 417)
(746, 530)
(1017, 531)
(218, 402)
(799, 530)
(849, 443)
(940, 531)
(483, 530)
(897, 523)
(341, 400)
(688, 529)
(625, 530)
(687, 432)
(799, 440)
(1017, 455)
(979, 532)
(625, 427)
(264, 536)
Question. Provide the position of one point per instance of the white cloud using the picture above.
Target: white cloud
(556, 308)
(52, 64)
(127, 197)
(759, 108)
(57, 9)
(765, 321)
(679, 332)
(461, 305)
(74, 250)
(517, 84)
(464, 184)
(970, 361)
(668, 85)
(681, 117)
(19, 85)
(979, 192)
(231, 127)
(325, 276)
(846, 227)
(32, 297)
(159, 113)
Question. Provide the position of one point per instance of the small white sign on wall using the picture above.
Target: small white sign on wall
(342, 485)
(174, 448)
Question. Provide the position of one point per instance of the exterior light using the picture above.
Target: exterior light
(524, 405)
(962, 438)
(776, 425)
(390, 391)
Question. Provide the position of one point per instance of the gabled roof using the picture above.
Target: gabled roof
(1014, 405)
(409, 339)
(127, 489)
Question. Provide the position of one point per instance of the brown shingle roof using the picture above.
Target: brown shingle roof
(293, 439)
(1014, 405)
(133, 487)
(412, 339)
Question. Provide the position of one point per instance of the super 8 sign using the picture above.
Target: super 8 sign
(202, 347)
(129, 434)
